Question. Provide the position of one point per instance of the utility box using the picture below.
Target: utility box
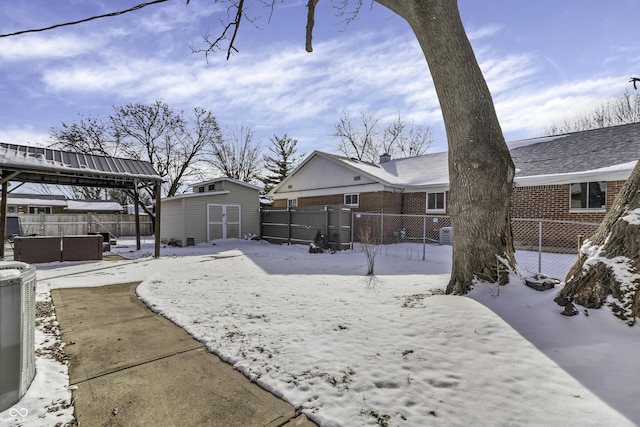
(17, 331)
(446, 235)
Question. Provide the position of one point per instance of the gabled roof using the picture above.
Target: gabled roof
(602, 154)
(225, 178)
(48, 166)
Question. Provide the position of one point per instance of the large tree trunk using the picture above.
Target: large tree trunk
(609, 262)
(481, 170)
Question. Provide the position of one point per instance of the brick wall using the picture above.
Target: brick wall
(368, 202)
(552, 202)
(539, 202)
(415, 203)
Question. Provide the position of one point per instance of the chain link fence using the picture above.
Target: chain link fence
(542, 246)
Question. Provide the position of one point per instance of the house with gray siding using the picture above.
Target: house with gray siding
(221, 208)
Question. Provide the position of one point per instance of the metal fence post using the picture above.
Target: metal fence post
(289, 225)
(540, 247)
(382, 227)
(424, 237)
(327, 223)
(353, 226)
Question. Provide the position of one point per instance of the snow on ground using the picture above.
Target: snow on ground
(390, 350)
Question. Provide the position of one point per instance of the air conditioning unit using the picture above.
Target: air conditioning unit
(17, 331)
(446, 234)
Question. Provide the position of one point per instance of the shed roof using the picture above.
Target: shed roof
(225, 178)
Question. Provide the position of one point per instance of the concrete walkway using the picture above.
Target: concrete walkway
(133, 367)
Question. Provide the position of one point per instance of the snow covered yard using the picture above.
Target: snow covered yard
(391, 350)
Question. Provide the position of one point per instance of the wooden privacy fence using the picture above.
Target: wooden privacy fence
(299, 225)
(76, 224)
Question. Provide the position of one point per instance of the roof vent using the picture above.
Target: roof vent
(385, 158)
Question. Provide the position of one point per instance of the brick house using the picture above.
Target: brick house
(570, 177)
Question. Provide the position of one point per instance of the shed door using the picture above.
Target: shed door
(223, 221)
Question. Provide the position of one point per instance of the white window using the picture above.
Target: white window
(39, 209)
(11, 209)
(436, 201)
(292, 203)
(589, 195)
(351, 199)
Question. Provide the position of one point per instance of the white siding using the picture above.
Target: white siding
(330, 173)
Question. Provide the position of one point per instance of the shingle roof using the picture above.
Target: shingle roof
(554, 159)
(577, 152)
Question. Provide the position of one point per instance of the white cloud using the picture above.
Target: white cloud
(533, 109)
(483, 32)
(44, 46)
(172, 15)
(24, 136)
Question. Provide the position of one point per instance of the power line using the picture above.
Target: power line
(107, 15)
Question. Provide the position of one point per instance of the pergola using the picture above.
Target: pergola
(25, 164)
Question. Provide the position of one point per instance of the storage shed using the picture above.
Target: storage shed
(222, 208)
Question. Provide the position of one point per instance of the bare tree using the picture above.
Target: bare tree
(481, 170)
(357, 142)
(281, 162)
(174, 144)
(608, 265)
(236, 155)
(89, 135)
(369, 245)
(401, 139)
(367, 139)
(193, 139)
(618, 111)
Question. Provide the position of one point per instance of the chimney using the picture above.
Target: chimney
(385, 158)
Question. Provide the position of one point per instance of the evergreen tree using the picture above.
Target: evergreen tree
(281, 162)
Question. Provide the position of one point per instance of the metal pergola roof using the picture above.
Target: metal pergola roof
(41, 165)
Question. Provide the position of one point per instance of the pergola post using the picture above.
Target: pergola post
(3, 217)
(157, 221)
(136, 213)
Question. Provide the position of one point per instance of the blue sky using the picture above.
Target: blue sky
(544, 61)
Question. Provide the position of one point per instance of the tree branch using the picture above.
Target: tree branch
(311, 12)
(215, 45)
(107, 15)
